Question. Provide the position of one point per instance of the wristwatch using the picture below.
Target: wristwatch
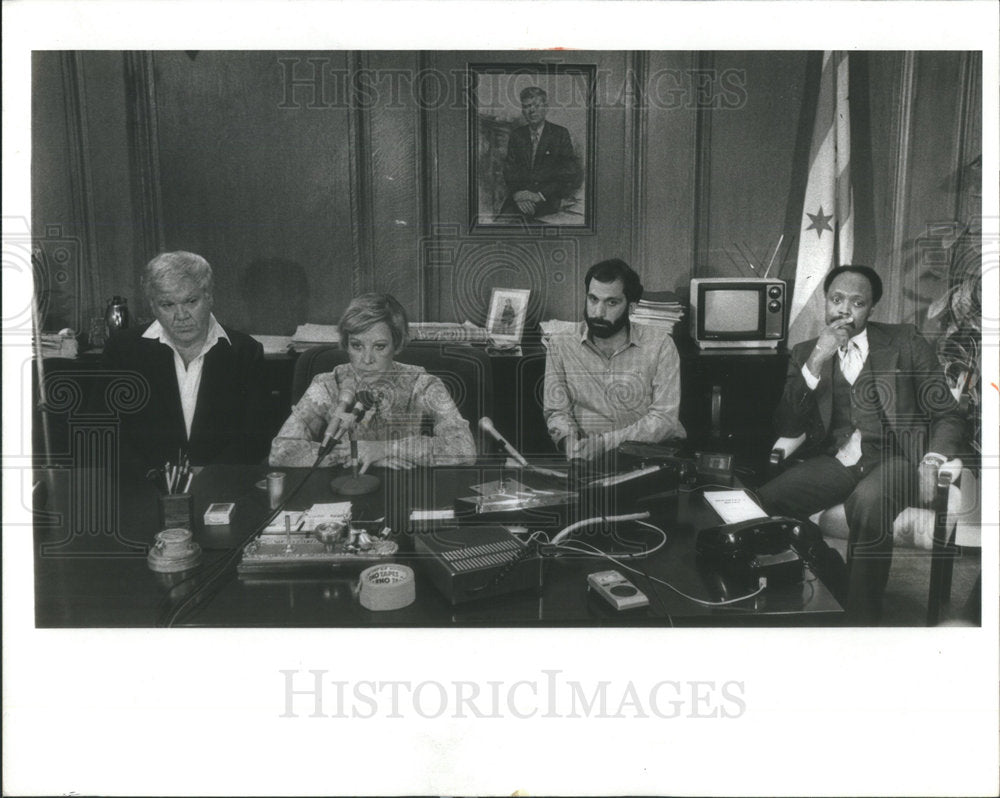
(935, 460)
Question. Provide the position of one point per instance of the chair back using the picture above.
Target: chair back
(464, 370)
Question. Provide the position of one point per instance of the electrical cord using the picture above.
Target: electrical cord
(564, 533)
(593, 551)
(645, 552)
(810, 583)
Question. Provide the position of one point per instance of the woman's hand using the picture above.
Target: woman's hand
(376, 453)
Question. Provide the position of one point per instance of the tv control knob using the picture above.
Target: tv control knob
(774, 291)
(774, 306)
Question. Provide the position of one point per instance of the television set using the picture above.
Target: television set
(738, 312)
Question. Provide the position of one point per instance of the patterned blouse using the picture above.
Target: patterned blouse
(413, 412)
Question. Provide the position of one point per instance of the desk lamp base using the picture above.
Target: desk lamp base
(350, 485)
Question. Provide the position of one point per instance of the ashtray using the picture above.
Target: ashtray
(329, 533)
(173, 551)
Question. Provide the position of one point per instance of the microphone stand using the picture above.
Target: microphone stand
(355, 484)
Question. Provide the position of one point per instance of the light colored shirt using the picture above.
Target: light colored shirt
(633, 395)
(189, 376)
(409, 402)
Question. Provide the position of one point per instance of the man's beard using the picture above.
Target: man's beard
(599, 328)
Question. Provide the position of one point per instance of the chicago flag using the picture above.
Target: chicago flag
(826, 234)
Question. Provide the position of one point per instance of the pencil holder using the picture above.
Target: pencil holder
(176, 511)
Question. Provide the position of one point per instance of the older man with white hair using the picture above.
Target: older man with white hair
(205, 381)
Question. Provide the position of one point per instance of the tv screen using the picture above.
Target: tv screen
(731, 311)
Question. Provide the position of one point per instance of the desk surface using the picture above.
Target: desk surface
(86, 575)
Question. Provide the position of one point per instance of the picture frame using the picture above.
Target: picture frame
(507, 315)
(517, 180)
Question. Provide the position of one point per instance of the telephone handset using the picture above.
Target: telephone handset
(762, 547)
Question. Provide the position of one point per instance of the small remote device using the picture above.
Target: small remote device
(616, 590)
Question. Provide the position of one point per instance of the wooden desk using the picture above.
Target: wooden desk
(91, 571)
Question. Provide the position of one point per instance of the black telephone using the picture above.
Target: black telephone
(763, 547)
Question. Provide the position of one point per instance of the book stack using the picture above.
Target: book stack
(309, 335)
(659, 309)
(60, 344)
(466, 332)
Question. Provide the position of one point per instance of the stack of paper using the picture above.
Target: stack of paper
(60, 344)
(327, 512)
(659, 309)
(299, 521)
(309, 335)
(447, 331)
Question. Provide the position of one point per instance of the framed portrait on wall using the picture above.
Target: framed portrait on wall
(508, 311)
(532, 146)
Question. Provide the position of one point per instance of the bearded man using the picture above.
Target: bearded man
(610, 381)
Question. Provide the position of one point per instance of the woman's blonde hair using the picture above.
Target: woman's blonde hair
(367, 310)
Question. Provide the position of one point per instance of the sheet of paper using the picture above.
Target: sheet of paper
(432, 515)
(278, 524)
(734, 506)
(335, 509)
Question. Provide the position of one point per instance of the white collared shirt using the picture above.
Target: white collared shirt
(189, 377)
(860, 340)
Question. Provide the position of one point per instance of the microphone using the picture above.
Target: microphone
(356, 406)
(367, 400)
(356, 483)
(486, 425)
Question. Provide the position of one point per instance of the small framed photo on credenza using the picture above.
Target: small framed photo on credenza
(508, 310)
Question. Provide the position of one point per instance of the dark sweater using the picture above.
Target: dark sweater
(229, 423)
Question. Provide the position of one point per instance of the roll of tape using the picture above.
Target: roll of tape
(387, 587)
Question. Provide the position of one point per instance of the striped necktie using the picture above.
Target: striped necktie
(851, 362)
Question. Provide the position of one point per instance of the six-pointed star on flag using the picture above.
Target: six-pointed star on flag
(819, 222)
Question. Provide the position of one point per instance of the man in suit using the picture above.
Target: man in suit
(541, 167)
(205, 385)
(880, 420)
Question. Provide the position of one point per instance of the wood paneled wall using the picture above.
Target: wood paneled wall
(307, 177)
